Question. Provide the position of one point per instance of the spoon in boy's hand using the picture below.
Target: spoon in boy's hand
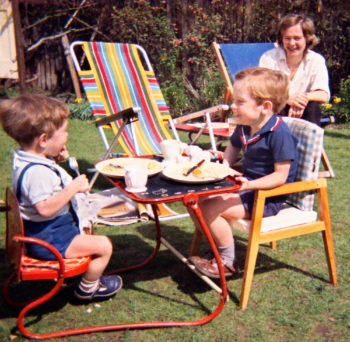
(73, 164)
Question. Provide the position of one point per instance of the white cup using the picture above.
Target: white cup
(136, 177)
(171, 150)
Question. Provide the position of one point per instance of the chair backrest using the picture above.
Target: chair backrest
(120, 76)
(310, 144)
(238, 56)
(14, 226)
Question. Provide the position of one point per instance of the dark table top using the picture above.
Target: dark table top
(161, 189)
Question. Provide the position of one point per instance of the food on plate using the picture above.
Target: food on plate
(111, 167)
(153, 165)
(205, 171)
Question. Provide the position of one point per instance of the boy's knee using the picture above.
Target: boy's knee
(107, 245)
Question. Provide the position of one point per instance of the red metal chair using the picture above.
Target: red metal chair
(27, 268)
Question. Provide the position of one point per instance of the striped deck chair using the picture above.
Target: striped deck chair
(119, 77)
(117, 80)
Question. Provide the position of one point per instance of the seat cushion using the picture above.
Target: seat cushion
(288, 216)
(34, 269)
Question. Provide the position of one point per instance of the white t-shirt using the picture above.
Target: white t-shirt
(39, 183)
(312, 73)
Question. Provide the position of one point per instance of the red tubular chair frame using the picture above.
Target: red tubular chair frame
(27, 268)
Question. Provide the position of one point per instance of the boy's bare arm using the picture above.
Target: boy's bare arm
(231, 155)
(53, 204)
(274, 179)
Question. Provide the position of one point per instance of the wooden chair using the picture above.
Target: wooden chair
(297, 217)
(27, 268)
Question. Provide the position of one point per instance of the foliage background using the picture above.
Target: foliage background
(177, 36)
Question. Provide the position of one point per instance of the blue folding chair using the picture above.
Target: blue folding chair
(233, 57)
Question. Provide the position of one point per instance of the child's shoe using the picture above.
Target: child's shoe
(109, 286)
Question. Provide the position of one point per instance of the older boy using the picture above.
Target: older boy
(270, 160)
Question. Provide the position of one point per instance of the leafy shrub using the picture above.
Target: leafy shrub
(184, 67)
(340, 106)
(80, 109)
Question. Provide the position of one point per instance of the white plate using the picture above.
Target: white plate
(115, 167)
(209, 172)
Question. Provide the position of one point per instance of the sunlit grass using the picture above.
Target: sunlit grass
(290, 299)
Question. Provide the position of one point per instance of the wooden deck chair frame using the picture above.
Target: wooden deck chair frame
(118, 79)
(131, 83)
(297, 218)
(228, 77)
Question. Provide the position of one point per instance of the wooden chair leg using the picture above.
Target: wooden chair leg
(273, 245)
(327, 234)
(250, 261)
(328, 245)
(327, 165)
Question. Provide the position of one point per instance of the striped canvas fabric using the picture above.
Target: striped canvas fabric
(310, 148)
(117, 80)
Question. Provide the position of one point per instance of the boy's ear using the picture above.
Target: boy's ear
(42, 140)
(267, 107)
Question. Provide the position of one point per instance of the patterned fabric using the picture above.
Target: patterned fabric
(310, 144)
(32, 269)
(117, 81)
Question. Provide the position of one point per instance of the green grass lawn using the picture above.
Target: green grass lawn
(291, 299)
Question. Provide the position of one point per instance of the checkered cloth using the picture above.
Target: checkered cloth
(310, 145)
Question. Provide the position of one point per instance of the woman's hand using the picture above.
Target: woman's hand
(297, 103)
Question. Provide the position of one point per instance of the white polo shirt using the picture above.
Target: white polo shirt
(312, 73)
(38, 184)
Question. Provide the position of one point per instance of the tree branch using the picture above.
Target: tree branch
(42, 40)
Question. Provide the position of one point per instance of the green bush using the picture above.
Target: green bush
(80, 109)
(184, 67)
(178, 41)
(340, 106)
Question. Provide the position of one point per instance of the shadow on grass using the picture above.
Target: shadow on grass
(130, 249)
(188, 282)
(337, 134)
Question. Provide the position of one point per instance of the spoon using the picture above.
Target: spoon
(73, 164)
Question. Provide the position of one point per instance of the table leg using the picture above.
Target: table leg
(155, 251)
(191, 201)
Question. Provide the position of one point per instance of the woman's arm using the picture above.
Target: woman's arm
(317, 95)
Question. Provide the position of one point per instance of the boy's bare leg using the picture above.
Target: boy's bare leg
(98, 246)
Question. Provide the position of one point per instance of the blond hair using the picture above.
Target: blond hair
(266, 85)
(307, 27)
(28, 116)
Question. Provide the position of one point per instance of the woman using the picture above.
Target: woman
(306, 69)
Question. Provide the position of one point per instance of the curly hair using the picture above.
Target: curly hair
(28, 116)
